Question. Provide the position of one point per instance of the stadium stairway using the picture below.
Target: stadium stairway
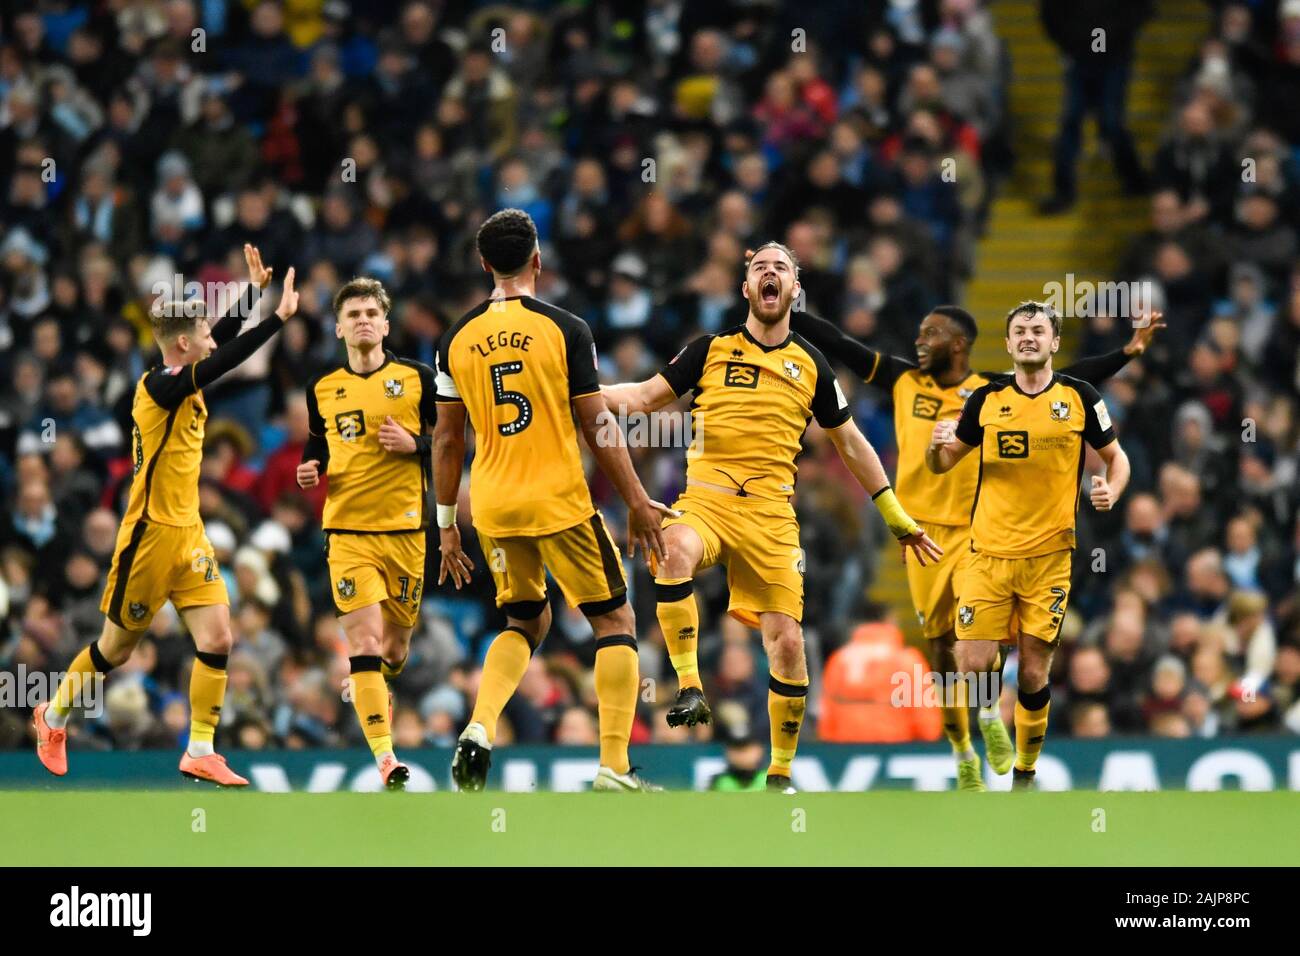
(1021, 250)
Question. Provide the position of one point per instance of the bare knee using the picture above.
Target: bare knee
(1035, 662)
(975, 655)
(364, 639)
(218, 640)
(210, 628)
(618, 621)
(397, 643)
(536, 627)
(117, 643)
(943, 655)
(685, 549)
(783, 638)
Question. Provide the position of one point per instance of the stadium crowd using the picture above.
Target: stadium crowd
(143, 142)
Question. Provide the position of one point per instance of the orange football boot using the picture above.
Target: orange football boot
(51, 743)
(211, 768)
(394, 773)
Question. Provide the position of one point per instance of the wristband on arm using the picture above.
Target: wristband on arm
(898, 520)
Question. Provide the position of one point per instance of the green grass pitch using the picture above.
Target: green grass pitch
(119, 828)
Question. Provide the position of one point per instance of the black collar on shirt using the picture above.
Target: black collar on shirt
(1016, 385)
(766, 348)
(388, 357)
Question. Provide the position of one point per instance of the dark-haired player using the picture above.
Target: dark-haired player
(521, 369)
(933, 388)
(162, 552)
(756, 387)
(1030, 428)
(369, 420)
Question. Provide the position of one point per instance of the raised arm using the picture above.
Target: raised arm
(170, 387)
(874, 368)
(236, 350)
(1095, 369)
(259, 277)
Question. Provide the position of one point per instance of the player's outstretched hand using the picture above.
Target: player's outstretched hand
(1143, 334)
(921, 545)
(288, 297)
(393, 437)
(258, 274)
(645, 528)
(454, 560)
(1101, 496)
(309, 474)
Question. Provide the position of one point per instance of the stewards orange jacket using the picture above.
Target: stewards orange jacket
(875, 689)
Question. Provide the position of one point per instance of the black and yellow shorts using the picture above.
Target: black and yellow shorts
(582, 559)
(992, 589)
(934, 587)
(155, 563)
(383, 569)
(757, 540)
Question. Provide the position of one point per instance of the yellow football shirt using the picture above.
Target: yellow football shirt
(920, 402)
(517, 364)
(168, 416)
(751, 407)
(1030, 462)
(372, 490)
(166, 447)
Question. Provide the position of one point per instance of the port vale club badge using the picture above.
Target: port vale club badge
(1060, 411)
(792, 369)
(347, 588)
(393, 387)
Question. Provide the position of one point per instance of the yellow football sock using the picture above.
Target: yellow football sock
(370, 700)
(956, 716)
(503, 669)
(88, 662)
(1031, 725)
(207, 691)
(679, 619)
(786, 702)
(617, 678)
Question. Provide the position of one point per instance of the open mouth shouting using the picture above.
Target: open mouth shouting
(769, 291)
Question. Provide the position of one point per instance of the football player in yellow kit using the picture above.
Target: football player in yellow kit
(163, 554)
(935, 387)
(755, 388)
(1031, 429)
